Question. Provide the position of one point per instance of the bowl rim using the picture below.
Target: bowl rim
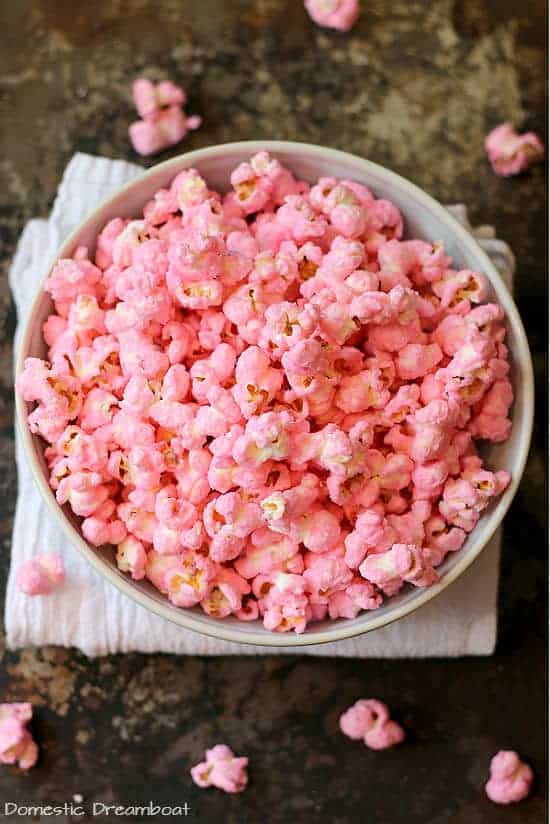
(344, 629)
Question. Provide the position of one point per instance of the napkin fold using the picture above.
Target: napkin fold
(88, 613)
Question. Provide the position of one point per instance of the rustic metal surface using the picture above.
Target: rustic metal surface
(416, 85)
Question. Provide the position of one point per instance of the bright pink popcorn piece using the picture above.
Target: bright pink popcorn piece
(334, 14)
(370, 720)
(510, 780)
(16, 742)
(222, 769)
(511, 153)
(266, 400)
(41, 575)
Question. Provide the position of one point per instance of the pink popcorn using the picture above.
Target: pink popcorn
(511, 153)
(163, 124)
(460, 289)
(267, 401)
(510, 778)
(226, 595)
(103, 530)
(148, 98)
(161, 130)
(71, 278)
(285, 605)
(441, 538)
(360, 392)
(372, 533)
(131, 557)
(416, 360)
(229, 520)
(189, 580)
(256, 381)
(300, 220)
(428, 479)
(16, 742)
(222, 770)
(41, 575)
(369, 719)
(358, 596)
(286, 325)
(266, 552)
(326, 576)
(334, 14)
(385, 223)
(461, 504)
(491, 420)
(403, 562)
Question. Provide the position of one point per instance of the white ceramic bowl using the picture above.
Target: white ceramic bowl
(425, 219)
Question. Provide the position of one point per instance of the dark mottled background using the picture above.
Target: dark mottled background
(415, 86)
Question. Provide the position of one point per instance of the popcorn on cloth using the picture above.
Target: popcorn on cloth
(16, 742)
(511, 153)
(510, 778)
(370, 720)
(222, 769)
(267, 401)
(41, 575)
(163, 121)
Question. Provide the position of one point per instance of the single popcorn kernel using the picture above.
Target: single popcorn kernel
(267, 401)
(370, 720)
(510, 780)
(16, 742)
(334, 14)
(222, 769)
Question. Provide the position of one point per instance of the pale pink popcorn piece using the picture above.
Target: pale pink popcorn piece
(285, 606)
(16, 742)
(403, 562)
(369, 719)
(222, 769)
(189, 580)
(510, 780)
(326, 576)
(358, 596)
(164, 129)
(131, 557)
(334, 14)
(149, 97)
(511, 153)
(416, 360)
(226, 594)
(41, 575)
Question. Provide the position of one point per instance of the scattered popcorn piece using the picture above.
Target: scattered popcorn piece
(16, 742)
(41, 575)
(163, 121)
(511, 153)
(148, 98)
(267, 401)
(333, 14)
(222, 769)
(369, 719)
(164, 129)
(510, 778)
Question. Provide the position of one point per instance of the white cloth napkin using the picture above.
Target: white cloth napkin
(88, 613)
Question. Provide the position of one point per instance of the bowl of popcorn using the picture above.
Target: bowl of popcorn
(275, 393)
